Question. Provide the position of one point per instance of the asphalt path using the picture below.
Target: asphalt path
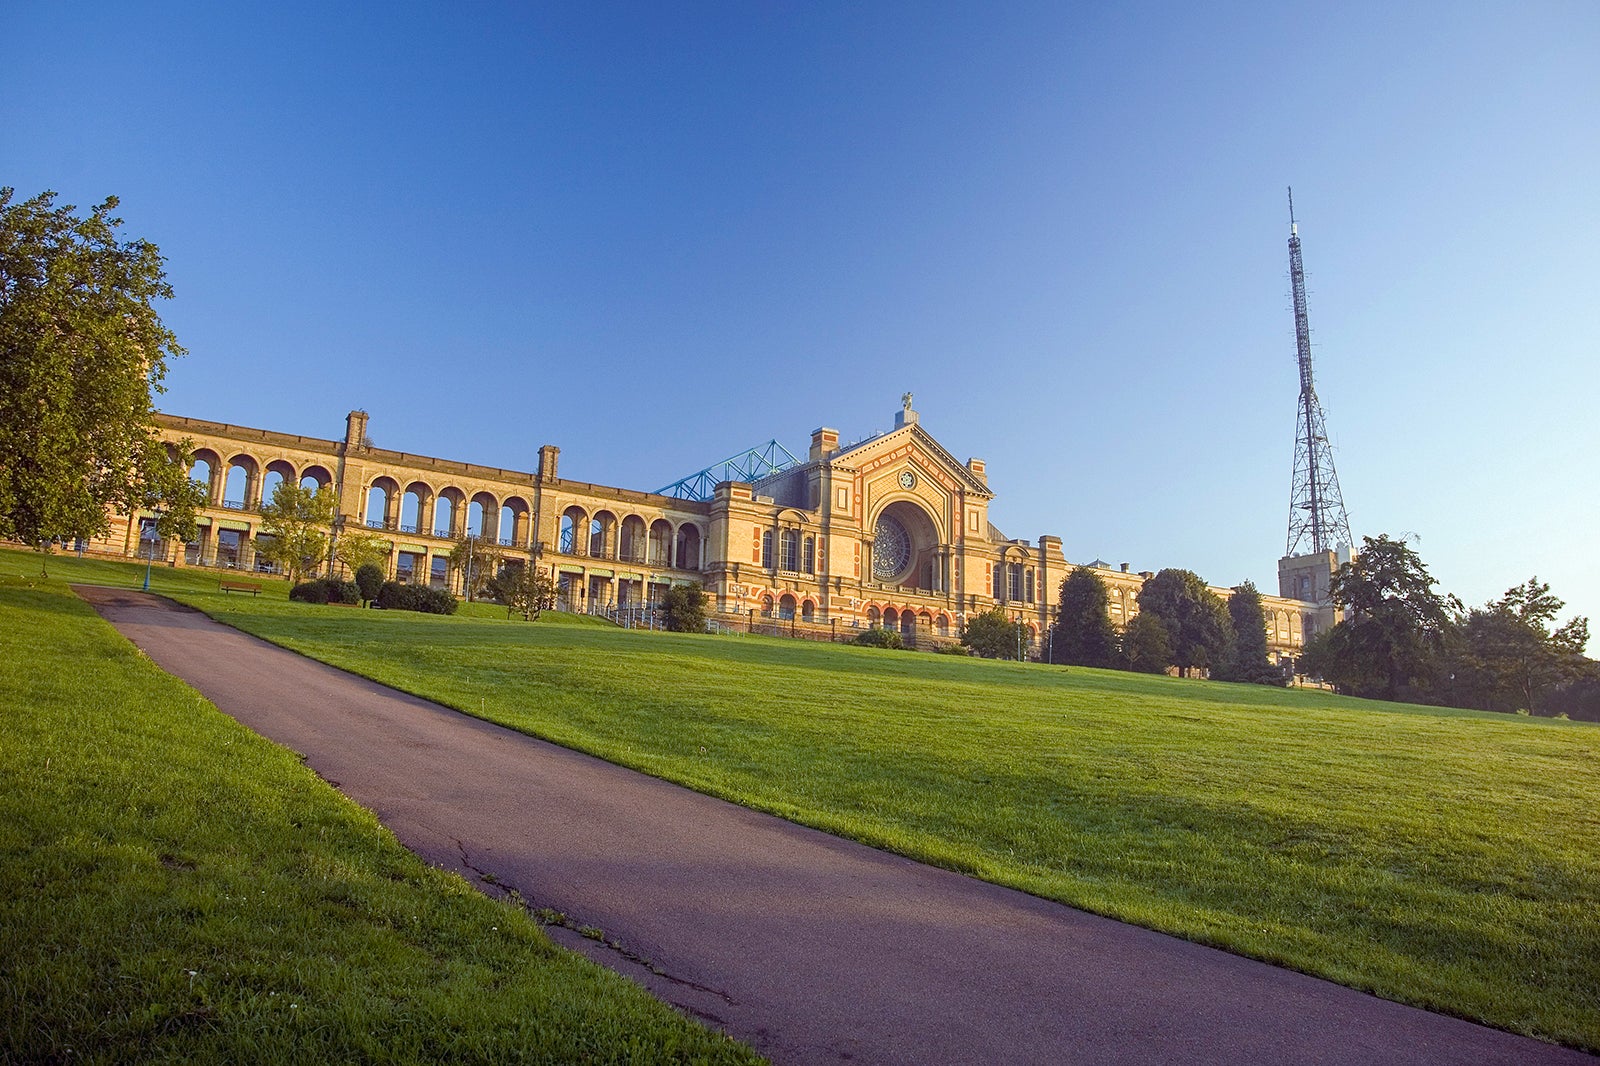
(810, 948)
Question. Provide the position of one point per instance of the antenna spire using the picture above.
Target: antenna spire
(1317, 518)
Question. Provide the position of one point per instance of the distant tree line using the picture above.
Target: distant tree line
(1402, 640)
(1181, 625)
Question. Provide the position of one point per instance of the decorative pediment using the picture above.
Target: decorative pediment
(912, 445)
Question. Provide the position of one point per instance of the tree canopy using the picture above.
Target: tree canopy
(296, 522)
(1146, 646)
(1507, 655)
(1083, 634)
(685, 608)
(1194, 617)
(82, 350)
(1392, 639)
(1248, 659)
(994, 636)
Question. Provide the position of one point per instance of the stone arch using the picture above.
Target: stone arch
(204, 459)
(602, 534)
(891, 618)
(449, 512)
(874, 616)
(416, 503)
(483, 516)
(318, 475)
(786, 606)
(766, 605)
(688, 548)
(573, 528)
(905, 543)
(631, 539)
(277, 472)
(942, 624)
(381, 498)
(241, 488)
(661, 537)
(808, 610)
(514, 512)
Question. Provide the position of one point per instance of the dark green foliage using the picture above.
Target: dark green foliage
(326, 590)
(994, 636)
(685, 608)
(369, 579)
(1195, 618)
(81, 351)
(1391, 642)
(879, 637)
(523, 589)
(1146, 646)
(1506, 656)
(1083, 634)
(393, 596)
(1248, 659)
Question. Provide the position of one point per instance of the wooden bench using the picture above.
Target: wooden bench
(252, 587)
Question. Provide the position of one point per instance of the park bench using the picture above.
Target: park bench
(252, 587)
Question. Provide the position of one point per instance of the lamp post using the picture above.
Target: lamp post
(150, 546)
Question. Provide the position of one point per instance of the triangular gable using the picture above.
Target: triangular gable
(926, 443)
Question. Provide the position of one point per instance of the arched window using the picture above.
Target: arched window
(569, 534)
(791, 550)
(766, 549)
(808, 611)
(766, 606)
(786, 607)
(808, 561)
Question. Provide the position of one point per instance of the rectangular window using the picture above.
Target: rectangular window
(972, 521)
(791, 550)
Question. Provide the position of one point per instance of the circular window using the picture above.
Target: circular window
(891, 548)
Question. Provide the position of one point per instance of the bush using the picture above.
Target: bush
(393, 596)
(880, 638)
(685, 608)
(326, 590)
(369, 579)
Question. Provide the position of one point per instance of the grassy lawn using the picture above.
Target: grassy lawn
(174, 888)
(1449, 859)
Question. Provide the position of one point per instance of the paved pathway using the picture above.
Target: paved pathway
(810, 948)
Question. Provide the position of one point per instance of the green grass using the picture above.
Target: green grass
(1449, 859)
(174, 888)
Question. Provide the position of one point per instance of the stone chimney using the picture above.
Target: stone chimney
(824, 442)
(355, 430)
(979, 469)
(549, 456)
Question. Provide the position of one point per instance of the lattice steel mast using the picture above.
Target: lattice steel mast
(1317, 518)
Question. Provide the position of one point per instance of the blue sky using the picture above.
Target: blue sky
(657, 234)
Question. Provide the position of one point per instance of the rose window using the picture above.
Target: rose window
(891, 549)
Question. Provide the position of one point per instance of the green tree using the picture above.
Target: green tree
(356, 548)
(297, 520)
(994, 636)
(82, 350)
(685, 608)
(478, 561)
(369, 580)
(1508, 656)
(1083, 634)
(524, 589)
(1248, 659)
(1391, 641)
(1146, 646)
(1195, 618)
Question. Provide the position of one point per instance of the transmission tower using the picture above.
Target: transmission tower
(1317, 519)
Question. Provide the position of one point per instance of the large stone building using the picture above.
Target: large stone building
(892, 530)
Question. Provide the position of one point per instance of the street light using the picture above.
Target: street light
(149, 536)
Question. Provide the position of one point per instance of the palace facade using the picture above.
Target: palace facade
(890, 531)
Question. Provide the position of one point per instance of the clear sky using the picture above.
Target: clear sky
(657, 234)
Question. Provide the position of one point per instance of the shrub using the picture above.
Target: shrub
(393, 596)
(685, 608)
(369, 579)
(880, 638)
(326, 590)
